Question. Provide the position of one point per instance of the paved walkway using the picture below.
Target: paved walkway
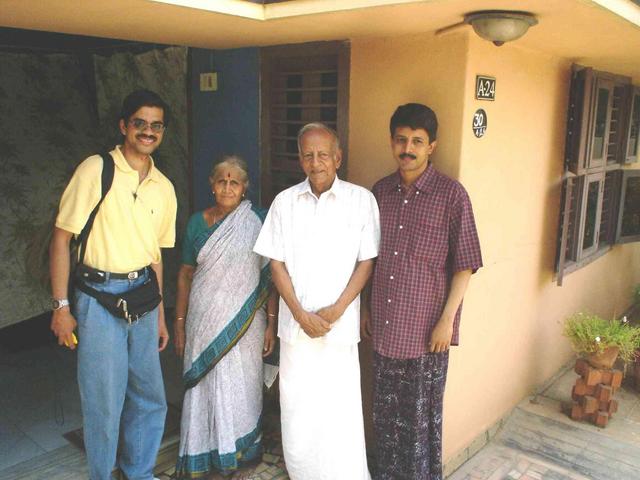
(540, 442)
(537, 442)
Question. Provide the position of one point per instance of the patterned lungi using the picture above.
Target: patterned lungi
(407, 416)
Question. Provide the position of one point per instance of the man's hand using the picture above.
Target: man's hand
(163, 333)
(269, 340)
(313, 324)
(179, 337)
(365, 323)
(443, 331)
(63, 324)
(331, 314)
(441, 335)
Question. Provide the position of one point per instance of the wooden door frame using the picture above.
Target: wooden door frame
(267, 57)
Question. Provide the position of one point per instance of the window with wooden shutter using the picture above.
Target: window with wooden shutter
(300, 84)
(629, 217)
(600, 125)
(609, 215)
(578, 120)
(615, 143)
(600, 200)
(566, 239)
(631, 147)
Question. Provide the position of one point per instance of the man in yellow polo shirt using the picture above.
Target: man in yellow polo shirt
(118, 362)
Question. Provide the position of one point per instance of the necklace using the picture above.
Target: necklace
(213, 216)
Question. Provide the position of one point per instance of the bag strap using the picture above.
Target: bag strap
(106, 182)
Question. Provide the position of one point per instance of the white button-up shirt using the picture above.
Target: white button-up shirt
(320, 240)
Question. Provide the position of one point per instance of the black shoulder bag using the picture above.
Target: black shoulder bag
(106, 182)
(133, 304)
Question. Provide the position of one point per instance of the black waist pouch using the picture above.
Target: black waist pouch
(131, 305)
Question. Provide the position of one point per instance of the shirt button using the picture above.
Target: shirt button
(417, 193)
(391, 277)
(400, 227)
(395, 253)
(406, 201)
(386, 322)
(388, 300)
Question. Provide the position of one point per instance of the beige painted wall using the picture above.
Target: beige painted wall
(389, 72)
(510, 335)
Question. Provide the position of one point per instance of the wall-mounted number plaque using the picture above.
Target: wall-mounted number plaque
(479, 123)
(485, 88)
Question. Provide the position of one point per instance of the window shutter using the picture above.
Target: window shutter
(628, 229)
(578, 120)
(566, 244)
(600, 123)
(631, 144)
(609, 217)
(617, 131)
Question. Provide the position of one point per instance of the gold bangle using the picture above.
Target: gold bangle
(271, 314)
(179, 318)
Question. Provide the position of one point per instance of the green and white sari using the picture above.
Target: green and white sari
(223, 372)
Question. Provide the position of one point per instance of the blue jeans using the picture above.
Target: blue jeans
(121, 386)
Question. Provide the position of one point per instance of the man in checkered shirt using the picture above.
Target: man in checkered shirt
(429, 249)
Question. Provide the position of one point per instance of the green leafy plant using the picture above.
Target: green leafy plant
(636, 295)
(590, 333)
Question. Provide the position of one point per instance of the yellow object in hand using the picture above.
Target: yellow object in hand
(74, 338)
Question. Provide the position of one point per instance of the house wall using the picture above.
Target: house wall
(511, 338)
(225, 121)
(385, 73)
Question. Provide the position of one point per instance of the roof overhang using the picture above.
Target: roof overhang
(601, 33)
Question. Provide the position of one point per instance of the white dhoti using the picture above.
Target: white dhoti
(321, 406)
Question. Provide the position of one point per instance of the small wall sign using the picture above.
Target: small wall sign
(485, 88)
(479, 123)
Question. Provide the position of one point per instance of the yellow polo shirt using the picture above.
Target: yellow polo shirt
(134, 221)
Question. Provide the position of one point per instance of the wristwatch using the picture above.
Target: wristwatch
(57, 304)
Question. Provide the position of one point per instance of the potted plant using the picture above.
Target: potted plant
(634, 313)
(602, 341)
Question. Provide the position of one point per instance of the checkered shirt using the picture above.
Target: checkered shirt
(428, 234)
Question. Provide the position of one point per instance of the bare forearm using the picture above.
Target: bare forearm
(157, 268)
(163, 333)
(365, 297)
(459, 284)
(358, 280)
(185, 277)
(272, 306)
(283, 283)
(59, 262)
(312, 324)
(62, 322)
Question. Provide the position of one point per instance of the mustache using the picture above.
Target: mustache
(150, 137)
(407, 155)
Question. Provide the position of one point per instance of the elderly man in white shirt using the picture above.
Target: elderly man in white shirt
(321, 236)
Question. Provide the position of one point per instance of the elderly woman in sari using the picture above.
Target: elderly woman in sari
(222, 330)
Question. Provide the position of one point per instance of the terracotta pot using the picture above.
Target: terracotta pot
(605, 359)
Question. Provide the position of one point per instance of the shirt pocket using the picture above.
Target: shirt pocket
(429, 243)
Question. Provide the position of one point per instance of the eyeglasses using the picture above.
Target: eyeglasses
(141, 125)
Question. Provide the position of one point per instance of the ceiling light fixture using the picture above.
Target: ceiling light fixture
(499, 26)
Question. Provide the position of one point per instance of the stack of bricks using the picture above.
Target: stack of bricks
(592, 394)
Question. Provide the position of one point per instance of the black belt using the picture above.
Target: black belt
(95, 275)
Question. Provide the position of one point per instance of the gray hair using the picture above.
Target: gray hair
(231, 161)
(319, 126)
